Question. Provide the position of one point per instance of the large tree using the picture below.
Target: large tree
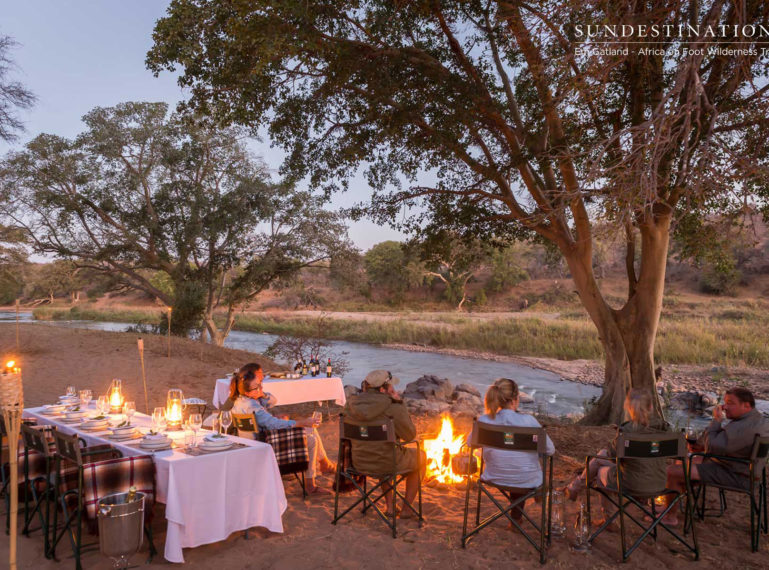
(141, 192)
(13, 94)
(523, 133)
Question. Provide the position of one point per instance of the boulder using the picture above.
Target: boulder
(524, 398)
(426, 407)
(351, 391)
(467, 405)
(429, 388)
(691, 401)
(465, 389)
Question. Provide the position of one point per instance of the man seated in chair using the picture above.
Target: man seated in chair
(378, 402)
(250, 395)
(734, 439)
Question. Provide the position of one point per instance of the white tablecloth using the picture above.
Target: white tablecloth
(207, 497)
(307, 389)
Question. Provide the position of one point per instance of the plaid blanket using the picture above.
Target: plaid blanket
(290, 446)
(117, 475)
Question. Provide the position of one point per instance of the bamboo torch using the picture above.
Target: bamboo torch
(12, 405)
(169, 332)
(140, 344)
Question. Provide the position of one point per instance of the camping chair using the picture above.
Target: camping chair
(757, 464)
(644, 447)
(378, 433)
(83, 475)
(5, 470)
(289, 445)
(510, 438)
(37, 459)
(190, 409)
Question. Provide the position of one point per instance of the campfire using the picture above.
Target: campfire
(440, 452)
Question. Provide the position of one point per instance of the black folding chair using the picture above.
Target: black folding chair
(375, 433)
(69, 451)
(289, 444)
(510, 438)
(645, 447)
(38, 465)
(756, 491)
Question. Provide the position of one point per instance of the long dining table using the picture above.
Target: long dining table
(208, 496)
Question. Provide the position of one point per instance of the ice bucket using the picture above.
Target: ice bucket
(121, 524)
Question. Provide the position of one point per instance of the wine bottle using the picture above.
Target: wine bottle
(304, 367)
(329, 370)
(315, 366)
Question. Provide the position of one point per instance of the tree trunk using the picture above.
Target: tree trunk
(218, 335)
(627, 334)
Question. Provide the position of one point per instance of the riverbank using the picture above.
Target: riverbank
(680, 377)
(695, 352)
(53, 358)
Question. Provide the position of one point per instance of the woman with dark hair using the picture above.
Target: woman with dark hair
(248, 397)
(267, 402)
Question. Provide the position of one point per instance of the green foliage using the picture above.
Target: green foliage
(506, 269)
(163, 282)
(480, 298)
(392, 268)
(720, 277)
(13, 95)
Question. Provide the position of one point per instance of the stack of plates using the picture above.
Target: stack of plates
(213, 443)
(74, 417)
(53, 409)
(193, 401)
(123, 432)
(69, 400)
(155, 442)
(95, 424)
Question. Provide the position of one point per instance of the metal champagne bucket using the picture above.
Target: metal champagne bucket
(121, 524)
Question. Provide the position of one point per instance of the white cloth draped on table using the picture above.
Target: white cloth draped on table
(207, 497)
(292, 391)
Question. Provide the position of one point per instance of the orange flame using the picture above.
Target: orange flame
(174, 413)
(440, 451)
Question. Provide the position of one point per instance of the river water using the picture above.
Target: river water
(552, 395)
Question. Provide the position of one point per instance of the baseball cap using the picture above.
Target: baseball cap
(378, 378)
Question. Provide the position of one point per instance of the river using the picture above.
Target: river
(552, 395)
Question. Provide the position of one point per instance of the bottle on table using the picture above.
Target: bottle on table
(315, 366)
(298, 367)
(304, 367)
(329, 369)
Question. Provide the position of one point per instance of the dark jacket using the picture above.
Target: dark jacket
(369, 408)
(641, 476)
(735, 439)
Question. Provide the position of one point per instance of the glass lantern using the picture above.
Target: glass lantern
(174, 408)
(115, 396)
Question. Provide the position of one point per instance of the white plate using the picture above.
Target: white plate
(102, 424)
(123, 436)
(155, 443)
(54, 408)
(75, 415)
(206, 447)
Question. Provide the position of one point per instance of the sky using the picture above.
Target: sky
(75, 55)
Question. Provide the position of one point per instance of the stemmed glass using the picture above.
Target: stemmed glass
(159, 419)
(582, 530)
(225, 421)
(195, 421)
(85, 397)
(102, 405)
(71, 391)
(129, 409)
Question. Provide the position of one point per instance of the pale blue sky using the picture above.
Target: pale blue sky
(79, 54)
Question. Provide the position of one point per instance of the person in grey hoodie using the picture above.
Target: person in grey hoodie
(376, 403)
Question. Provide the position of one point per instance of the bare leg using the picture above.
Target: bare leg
(578, 485)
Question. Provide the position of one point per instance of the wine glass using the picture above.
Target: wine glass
(691, 434)
(129, 409)
(225, 421)
(159, 422)
(71, 391)
(195, 421)
(85, 397)
(102, 405)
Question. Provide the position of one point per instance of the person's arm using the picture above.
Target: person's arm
(268, 401)
(404, 427)
(267, 421)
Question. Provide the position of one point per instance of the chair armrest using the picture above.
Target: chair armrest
(719, 457)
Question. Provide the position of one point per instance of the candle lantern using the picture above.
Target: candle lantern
(115, 395)
(11, 406)
(174, 409)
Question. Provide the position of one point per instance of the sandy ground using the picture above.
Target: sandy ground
(54, 357)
